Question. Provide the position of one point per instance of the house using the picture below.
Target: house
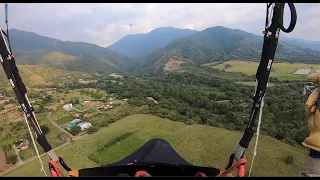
(67, 107)
(74, 123)
(23, 146)
(78, 122)
(84, 125)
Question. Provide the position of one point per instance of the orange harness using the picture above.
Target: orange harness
(239, 165)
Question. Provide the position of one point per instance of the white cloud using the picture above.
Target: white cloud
(105, 23)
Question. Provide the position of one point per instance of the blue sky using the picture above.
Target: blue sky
(105, 23)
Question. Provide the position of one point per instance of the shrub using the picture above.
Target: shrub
(45, 129)
(92, 130)
(11, 159)
(289, 160)
(104, 124)
(75, 130)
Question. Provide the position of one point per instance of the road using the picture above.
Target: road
(27, 161)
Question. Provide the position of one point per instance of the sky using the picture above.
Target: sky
(105, 23)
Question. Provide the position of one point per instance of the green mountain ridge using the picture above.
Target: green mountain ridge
(138, 45)
(31, 48)
(220, 44)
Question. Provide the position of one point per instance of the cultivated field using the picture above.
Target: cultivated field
(282, 71)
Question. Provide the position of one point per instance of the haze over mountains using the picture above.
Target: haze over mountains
(138, 45)
(156, 50)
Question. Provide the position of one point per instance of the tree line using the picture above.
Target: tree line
(213, 98)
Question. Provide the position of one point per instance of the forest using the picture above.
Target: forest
(212, 97)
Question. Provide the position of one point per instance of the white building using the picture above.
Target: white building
(84, 126)
(67, 107)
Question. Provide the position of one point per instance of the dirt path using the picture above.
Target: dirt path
(77, 109)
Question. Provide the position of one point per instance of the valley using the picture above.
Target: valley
(97, 105)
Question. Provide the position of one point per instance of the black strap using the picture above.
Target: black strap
(262, 75)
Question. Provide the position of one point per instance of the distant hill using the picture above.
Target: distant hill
(138, 45)
(218, 44)
(44, 76)
(314, 45)
(31, 48)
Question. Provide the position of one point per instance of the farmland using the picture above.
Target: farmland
(281, 71)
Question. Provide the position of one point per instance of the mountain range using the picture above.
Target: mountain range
(314, 45)
(161, 49)
(31, 48)
(219, 44)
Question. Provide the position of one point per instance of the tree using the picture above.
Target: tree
(45, 129)
(75, 130)
(47, 99)
(289, 160)
(40, 109)
(12, 159)
(76, 101)
(92, 130)
(6, 102)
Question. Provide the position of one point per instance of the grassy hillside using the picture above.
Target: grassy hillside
(35, 76)
(282, 71)
(198, 144)
(31, 48)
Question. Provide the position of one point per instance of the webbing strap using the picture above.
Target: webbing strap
(239, 165)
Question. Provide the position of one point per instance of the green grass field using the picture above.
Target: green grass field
(198, 144)
(51, 137)
(282, 71)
